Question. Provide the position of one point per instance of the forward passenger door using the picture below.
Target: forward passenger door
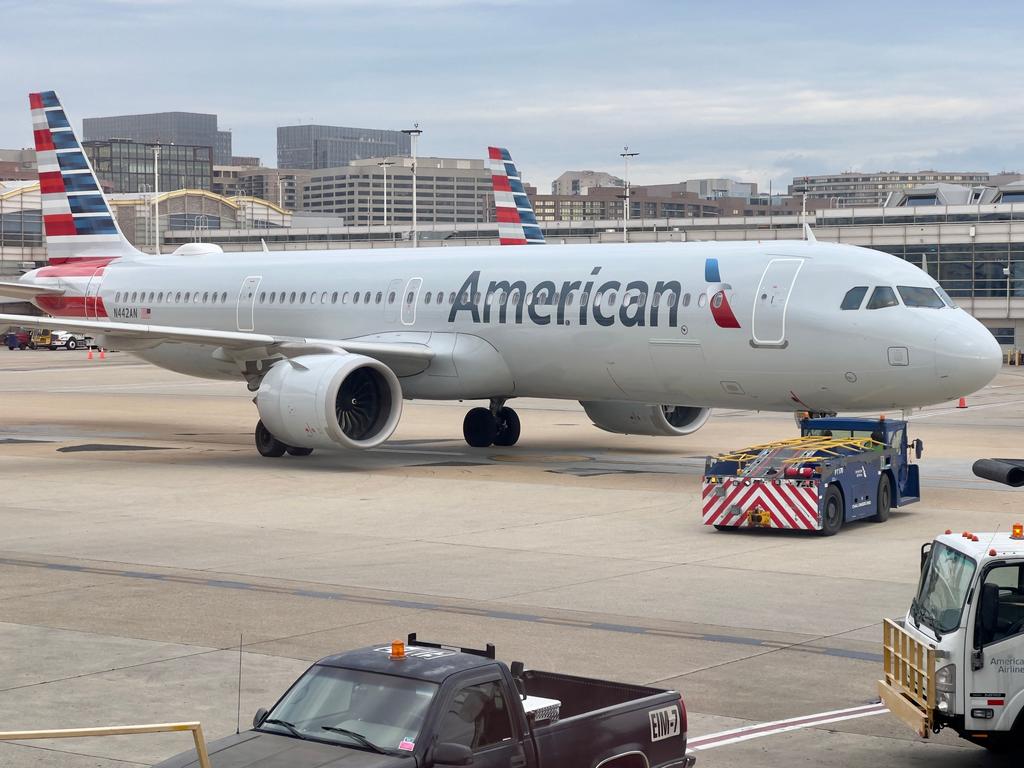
(246, 308)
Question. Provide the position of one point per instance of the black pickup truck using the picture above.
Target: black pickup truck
(423, 704)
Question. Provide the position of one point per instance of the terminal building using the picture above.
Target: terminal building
(852, 189)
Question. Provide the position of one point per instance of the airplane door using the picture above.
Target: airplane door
(410, 296)
(246, 308)
(769, 322)
(92, 296)
(391, 299)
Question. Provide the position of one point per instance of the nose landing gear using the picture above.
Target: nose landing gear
(496, 425)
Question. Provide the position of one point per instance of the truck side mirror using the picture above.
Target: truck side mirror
(449, 753)
(926, 550)
(918, 448)
(988, 612)
(259, 717)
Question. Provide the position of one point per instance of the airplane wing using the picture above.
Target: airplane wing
(404, 358)
(26, 291)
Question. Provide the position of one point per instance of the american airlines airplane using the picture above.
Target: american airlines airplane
(648, 337)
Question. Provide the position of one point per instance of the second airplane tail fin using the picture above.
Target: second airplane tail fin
(77, 220)
(517, 223)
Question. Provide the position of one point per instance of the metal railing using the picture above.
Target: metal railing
(118, 730)
(909, 685)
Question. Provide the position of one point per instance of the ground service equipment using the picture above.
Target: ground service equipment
(956, 660)
(409, 704)
(838, 470)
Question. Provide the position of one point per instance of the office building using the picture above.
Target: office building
(128, 166)
(855, 189)
(313, 147)
(448, 190)
(580, 182)
(18, 165)
(193, 129)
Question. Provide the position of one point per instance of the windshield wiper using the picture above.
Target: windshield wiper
(290, 726)
(925, 614)
(358, 737)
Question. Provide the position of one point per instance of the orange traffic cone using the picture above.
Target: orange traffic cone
(89, 356)
(103, 356)
(962, 403)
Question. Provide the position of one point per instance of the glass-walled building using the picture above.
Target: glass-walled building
(194, 129)
(127, 166)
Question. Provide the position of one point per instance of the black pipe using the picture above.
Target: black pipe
(1006, 471)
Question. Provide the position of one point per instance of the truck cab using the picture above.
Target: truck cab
(416, 704)
(956, 660)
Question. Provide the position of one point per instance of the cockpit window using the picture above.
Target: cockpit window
(945, 297)
(883, 296)
(914, 296)
(854, 297)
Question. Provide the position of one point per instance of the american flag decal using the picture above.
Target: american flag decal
(145, 313)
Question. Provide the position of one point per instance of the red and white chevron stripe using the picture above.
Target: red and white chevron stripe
(791, 504)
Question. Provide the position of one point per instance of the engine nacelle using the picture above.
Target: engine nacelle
(627, 418)
(330, 401)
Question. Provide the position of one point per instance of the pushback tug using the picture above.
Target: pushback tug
(838, 470)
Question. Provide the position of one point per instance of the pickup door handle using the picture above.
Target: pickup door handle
(518, 759)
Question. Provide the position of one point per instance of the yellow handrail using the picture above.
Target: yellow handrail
(117, 730)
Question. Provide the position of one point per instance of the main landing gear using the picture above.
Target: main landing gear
(496, 425)
(272, 448)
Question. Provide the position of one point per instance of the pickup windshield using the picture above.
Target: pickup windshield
(379, 712)
(945, 583)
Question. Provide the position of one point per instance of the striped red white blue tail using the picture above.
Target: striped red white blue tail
(517, 223)
(77, 219)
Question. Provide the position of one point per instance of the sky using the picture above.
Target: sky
(752, 91)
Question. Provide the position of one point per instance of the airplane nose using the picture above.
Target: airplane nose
(967, 356)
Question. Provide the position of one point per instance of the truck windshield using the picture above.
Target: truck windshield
(943, 589)
(364, 710)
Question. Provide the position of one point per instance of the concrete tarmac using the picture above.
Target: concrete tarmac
(142, 536)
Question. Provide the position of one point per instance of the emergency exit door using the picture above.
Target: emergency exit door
(246, 307)
(771, 301)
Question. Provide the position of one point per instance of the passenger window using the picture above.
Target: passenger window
(451, 297)
(291, 298)
(263, 297)
(323, 297)
(223, 297)
(344, 298)
(391, 297)
(476, 717)
(160, 297)
(686, 299)
(380, 296)
(366, 298)
(408, 298)
(1005, 588)
(334, 298)
(883, 296)
(177, 297)
(302, 298)
(355, 297)
(426, 298)
(854, 297)
(920, 297)
(273, 296)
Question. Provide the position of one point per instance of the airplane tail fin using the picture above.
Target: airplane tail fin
(77, 220)
(517, 223)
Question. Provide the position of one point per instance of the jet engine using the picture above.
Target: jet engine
(330, 401)
(627, 418)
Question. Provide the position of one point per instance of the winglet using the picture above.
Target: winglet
(809, 234)
(517, 223)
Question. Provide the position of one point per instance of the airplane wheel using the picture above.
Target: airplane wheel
(293, 451)
(268, 445)
(883, 499)
(479, 428)
(833, 517)
(508, 427)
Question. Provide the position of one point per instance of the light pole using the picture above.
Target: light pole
(625, 154)
(385, 164)
(413, 134)
(156, 197)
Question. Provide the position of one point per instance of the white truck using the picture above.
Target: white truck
(956, 660)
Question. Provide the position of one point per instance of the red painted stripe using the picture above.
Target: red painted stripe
(72, 306)
(722, 312)
(51, 182)
(59, 224)
(75, 268)
(501, 183)
(996, 702)
(507, 216)
(494, 153)
(35, 101)
(512, 241)
(44, 141)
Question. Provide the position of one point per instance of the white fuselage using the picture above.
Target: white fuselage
(794, 348)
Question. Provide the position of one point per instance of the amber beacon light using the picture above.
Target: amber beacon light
(397, 649)
(1018, 531)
